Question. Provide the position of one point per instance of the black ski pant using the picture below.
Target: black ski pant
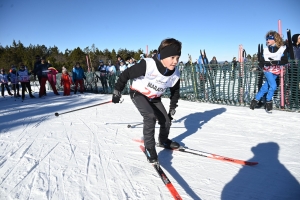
(150, 112)
(24, 86)
(7, 88)
(104, 83)
(15, 87)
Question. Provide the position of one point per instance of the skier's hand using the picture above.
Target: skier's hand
(171, 113)
(116, 96)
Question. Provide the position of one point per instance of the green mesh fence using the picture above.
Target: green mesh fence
(220, 84)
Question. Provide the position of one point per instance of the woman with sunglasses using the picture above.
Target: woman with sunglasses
(274, 58)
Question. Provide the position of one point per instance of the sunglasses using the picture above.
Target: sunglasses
(270, 37)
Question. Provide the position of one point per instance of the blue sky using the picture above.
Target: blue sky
(218, 26)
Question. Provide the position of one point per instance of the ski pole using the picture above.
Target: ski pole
(134, 125)
(57, 114)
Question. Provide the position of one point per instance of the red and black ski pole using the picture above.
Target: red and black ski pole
(57, 114)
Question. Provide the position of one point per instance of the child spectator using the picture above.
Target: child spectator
(24, 77)
(78, 76)
(66, 81)
(4, 83)
(13, 78)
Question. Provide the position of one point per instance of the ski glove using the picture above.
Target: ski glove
(172, 112)
(116, 96)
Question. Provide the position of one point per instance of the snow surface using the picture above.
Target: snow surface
(90, 153)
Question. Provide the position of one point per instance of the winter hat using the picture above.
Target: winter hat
(121, 61)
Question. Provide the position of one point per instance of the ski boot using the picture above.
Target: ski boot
(269, 106)
(168, 144)
(253, 104)
(151, 155)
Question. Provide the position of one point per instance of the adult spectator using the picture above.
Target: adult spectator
(233, 67)
(42, 71)
(214, 65)
(111, 73)
(154, 53)
(103, 76)
(78, 76)
(35, 69)
(296, 46)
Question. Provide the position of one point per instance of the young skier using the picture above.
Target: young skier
(152, 76)
(78, 76)
(13, 78)
(4, 83)
(24, 77)
(66, 81)
(274, 57)
(103, 76)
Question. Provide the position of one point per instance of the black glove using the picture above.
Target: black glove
(116, 96)
(171, 113)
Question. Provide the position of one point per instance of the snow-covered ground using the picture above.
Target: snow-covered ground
(90, 153)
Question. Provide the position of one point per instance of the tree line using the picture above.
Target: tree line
(17, 53)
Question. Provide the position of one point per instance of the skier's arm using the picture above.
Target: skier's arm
(134, 71)
(175, 94)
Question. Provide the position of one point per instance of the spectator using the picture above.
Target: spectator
(274, 57)
(111, 73)
(52, 78)
(130, 63)
(118, 64)
(214, 65)
(35, 69)
(225, 68)
(4, 83)
(103, 76)
(296, 46)
(66, 81)
(122, 66)
(24, 77)
(42, 72)
(233, 67)
(13, 78)
(78, 76)
(154, 53)
(181, 66)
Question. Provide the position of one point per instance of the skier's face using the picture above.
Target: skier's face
(270, 40)
(170, 62)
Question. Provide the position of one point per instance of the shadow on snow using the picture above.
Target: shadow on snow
(193, 123)
(267, 180)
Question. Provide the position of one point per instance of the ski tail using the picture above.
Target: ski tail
(208, 155)
(164, 178)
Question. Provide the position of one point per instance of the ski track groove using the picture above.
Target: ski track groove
(73, 150)
(100, 159)
(32, 183)
(24, 152)
(37, 163)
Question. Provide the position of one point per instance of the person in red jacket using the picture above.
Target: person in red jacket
(66, 81)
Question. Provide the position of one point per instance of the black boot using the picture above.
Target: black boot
(253, 104)
(168, 144)
(151, 155)
(269, 105)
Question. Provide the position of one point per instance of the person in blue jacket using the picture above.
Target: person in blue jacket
(78, 76)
